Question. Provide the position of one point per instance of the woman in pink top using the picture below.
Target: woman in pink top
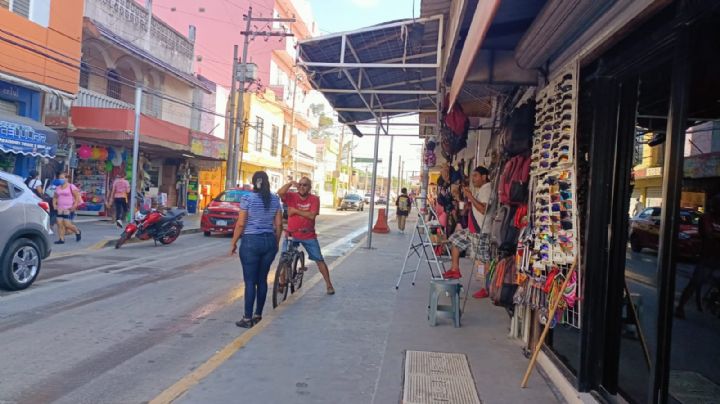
(119, 192)
(66, 200)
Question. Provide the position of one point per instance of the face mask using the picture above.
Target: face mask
(60, 181)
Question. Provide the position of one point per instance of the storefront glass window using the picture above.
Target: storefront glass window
(695, 352)
(641, 284)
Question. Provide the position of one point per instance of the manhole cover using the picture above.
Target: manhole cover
(438, 377)
(693, 388)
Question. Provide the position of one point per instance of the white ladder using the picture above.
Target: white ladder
(419, 245)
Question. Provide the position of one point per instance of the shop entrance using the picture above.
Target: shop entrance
(653, 255)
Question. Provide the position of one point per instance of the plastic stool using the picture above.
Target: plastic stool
(437, 288)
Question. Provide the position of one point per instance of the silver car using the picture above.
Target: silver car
(25, 234)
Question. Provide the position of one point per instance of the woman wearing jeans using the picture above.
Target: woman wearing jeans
(260, 227)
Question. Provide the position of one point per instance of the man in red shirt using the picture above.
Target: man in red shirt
(303, 208)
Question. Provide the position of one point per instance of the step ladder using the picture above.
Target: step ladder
(422, 246)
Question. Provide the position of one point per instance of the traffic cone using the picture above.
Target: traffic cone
(381, 225)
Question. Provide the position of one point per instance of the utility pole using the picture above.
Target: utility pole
(136, 151)
(350, 162)
(338, 164)
(389, 179)
(399, 177)
(245, 74)
(231, 170)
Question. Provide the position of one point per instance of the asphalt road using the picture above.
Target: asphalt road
(120, 326)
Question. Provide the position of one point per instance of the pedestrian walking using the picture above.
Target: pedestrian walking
(303, 208)
(119, 192)
(66, 200)
(708, 264)
(403, 209)
(34, 183)
(259, 225)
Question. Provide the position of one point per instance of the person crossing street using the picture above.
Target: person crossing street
(303, 208)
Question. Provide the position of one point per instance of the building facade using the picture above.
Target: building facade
(40, 48)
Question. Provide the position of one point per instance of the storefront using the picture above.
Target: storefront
(639, 334)
(23, 139)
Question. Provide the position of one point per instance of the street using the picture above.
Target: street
(106, 325)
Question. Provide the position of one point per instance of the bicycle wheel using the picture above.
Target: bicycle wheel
(279, 296)
(298, 272)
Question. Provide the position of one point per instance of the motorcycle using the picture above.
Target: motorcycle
(164, 228)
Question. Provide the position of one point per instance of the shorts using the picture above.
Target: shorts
(312, 246)
(477, 245)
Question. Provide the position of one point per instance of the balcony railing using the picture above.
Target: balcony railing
(88, 98)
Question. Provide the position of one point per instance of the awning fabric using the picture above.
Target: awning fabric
(25, 136)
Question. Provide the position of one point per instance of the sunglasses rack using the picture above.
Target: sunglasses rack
(553, 212)
(555, 117)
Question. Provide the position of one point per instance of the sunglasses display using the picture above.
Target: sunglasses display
(554, 124)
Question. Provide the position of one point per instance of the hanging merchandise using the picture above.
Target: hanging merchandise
(517, 134)
(430, 158)
(192, 195)
(554, 204)
(84, 152)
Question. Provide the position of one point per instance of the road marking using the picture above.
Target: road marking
(173, 392)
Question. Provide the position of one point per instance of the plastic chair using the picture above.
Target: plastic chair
(439, 287)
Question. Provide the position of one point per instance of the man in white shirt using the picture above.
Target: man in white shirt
(474, 239)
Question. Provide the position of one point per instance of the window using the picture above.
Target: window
(646, 213)
(274, 140)
(259, 129)
(37, 11)
(84, 75)
(113, 85)
(4, 190)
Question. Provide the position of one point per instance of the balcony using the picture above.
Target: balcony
(134, 23)
(88, 98)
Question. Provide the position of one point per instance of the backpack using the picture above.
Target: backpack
(518, 132)
(503, 231)
(513, 187)
(403, 203)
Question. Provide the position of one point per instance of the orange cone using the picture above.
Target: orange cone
(381, 225)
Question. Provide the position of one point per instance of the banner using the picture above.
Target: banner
(24, 139)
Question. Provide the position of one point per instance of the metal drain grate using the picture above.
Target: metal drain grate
(438, 377)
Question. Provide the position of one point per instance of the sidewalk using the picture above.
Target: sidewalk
(349, 348)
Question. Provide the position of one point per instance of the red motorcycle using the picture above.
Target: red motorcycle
(162, 227)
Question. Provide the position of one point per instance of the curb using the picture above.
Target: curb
(108, 242)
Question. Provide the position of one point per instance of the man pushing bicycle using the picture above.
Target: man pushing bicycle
(303, 208)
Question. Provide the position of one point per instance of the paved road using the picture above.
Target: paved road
(120, 326)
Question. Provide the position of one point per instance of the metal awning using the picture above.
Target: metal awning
(385, 70)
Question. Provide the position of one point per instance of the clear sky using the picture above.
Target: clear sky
(345, 15)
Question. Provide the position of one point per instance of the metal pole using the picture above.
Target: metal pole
(374, 183)
(292, 125)
(136, 151)
(399, 177)
(389, 180)
(230, 171)
(240, 126)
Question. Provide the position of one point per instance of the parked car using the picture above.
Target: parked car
(25, 236)
(222, 213)
(352, 201)
(367, 197)
(381, 200)
(645, 231)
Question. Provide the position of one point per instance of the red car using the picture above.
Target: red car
(645, 232)
(222, 213)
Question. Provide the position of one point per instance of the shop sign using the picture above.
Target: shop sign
(24, 139)
(202, 146)
(702, 166)
(653, 172)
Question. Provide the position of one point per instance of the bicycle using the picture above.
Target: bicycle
(288, 269)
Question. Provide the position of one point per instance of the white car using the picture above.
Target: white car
(25, 236)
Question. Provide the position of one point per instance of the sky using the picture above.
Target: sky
(345, 15)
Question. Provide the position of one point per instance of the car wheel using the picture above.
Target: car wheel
(635, 244)
(206, 233)
(20, 265)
